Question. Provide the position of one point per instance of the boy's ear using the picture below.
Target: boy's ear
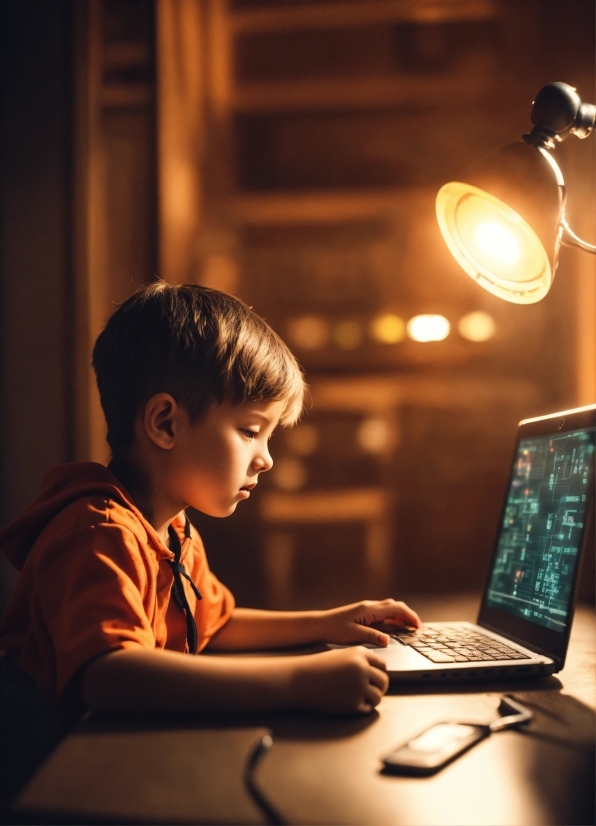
(160, 420)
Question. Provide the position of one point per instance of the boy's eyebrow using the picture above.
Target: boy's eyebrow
(263, 416)
(260, 416)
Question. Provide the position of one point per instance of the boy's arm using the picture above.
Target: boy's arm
(250, 628)
(138, 681)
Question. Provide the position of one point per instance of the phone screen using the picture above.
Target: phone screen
(440, 736)
(432, 749)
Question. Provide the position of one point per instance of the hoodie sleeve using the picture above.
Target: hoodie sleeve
(96, 593)
(95, 577)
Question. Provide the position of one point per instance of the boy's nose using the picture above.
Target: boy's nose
(263, 461)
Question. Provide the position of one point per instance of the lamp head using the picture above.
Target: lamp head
(503, 220)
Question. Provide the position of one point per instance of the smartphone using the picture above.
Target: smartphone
(433, 748)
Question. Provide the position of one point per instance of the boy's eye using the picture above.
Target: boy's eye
(250, 434)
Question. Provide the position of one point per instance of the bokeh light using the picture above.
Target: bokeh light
(289, 474)
(374, 435)
(303, 440)
(310, 332)
(388, 328)
(476, 326)
(428, 327)
(347, 335)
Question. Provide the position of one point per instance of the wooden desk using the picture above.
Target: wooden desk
(328, 771)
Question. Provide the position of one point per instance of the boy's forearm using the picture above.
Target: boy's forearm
(251, 628)
(141, 681)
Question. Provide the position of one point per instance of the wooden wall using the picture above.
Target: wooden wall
(78, 220)
(36, 380)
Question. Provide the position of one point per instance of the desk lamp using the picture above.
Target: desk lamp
(504, 221)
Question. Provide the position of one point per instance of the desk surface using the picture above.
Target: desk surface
(324, 770)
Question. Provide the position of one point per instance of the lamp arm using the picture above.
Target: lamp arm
(573, 240)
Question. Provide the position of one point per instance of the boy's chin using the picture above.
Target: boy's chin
(219, 513)
(230, 511)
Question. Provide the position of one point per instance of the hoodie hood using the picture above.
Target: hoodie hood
(60, 487)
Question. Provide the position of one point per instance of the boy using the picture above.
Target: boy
(115, 591)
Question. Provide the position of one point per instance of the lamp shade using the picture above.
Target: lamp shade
(502, 221)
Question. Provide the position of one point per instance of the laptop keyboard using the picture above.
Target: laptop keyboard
(451, 644)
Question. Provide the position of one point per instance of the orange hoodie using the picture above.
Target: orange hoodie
(95, 577)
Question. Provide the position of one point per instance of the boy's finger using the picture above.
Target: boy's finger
(373, 695)
(375, 660)
(397, 613)
(379, 678)
(372, 636)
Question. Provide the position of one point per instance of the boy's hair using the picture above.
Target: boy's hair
(197, 344)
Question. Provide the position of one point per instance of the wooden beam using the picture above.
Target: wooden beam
(359, 13)
(180, 103)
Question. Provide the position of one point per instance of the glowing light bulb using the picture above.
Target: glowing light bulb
(493, 244)
(498, 242)
(428, 328)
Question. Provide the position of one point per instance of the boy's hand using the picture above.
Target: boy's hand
(351, 623)
(345, 681)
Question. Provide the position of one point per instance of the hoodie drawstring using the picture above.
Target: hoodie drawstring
(178, 586)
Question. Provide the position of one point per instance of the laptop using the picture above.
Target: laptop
(546, 526)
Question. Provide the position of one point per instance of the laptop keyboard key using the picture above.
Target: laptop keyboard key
(458, 645)
(439, 657)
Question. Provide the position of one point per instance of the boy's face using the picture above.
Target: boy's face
(217, 462)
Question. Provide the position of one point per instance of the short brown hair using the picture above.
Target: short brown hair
(201, 346)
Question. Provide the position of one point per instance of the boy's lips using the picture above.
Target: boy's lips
(247, 489)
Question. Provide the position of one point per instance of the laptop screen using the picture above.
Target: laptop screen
(537, 551)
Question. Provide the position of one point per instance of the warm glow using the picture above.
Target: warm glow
(428, 328)
(220, 272)
(303, 439)
(347, 335)
(310, 332)
(493, 244)
(497, 242)
(388, 328)
(476, 326)
(374, 435)
(289, 474)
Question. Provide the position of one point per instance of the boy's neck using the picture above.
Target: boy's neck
(137, 484)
